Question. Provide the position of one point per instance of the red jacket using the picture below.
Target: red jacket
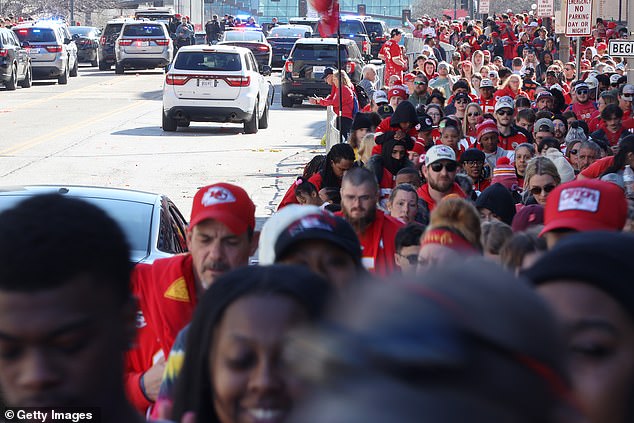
(347, 102)
(166, 292)
(583, 111)
(507, 91)
(423, 193)
(514, 139)
(386, 126)
(377, 244)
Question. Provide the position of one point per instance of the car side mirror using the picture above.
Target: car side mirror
(266, 70)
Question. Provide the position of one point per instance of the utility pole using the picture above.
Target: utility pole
(72, 12)
(564, 41)
(630, 61)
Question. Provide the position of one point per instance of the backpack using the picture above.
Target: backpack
(362, 96)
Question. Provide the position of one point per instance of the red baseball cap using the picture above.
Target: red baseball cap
(397, 92)
(585, 205)
(409, 77)
(226, 203)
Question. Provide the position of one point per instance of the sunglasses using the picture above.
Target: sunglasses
(420, 83)
(505, 112)
(473, 114)
(412, 259)
(472, 162)
(461, 101)
(546, 189)
(582, 92)
(438, 167)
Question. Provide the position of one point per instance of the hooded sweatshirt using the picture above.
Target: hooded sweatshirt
(405, 112)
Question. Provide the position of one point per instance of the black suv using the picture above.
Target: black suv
(304, 69)
(379, 33)
(15, 64)
(107, 41)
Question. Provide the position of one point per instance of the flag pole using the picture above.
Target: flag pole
(339, 68)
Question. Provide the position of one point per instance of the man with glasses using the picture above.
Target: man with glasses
(440, 172)
(544, 128)
(472, 162)
(510, 136)
(570, 72)
(407, 245)
(583, 108)
(375, 229)
(420, 93)
(487, 101)
(626, 94)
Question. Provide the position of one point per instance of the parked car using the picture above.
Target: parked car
(107, 42)
(218, 83)
(304, 69)
(87, 40)
(153, 225)
(282, 39)
(143, 45)
(15, 64)
(51, 48)
(379, 33)
(252, 39)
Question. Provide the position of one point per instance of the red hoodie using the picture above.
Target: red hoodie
(386, 126)
(423, 193)
(167, 296)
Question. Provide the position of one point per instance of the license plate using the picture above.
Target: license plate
(319, 69)
(142, 43)
(34, 50)
(207, 83)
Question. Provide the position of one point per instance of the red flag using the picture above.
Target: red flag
(329, 20)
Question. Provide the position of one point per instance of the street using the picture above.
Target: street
(104, 130)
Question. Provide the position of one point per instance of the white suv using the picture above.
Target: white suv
(216, 84)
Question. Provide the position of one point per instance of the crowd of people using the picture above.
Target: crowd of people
(465, 254)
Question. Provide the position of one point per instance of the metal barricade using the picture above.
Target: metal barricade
(332, 133)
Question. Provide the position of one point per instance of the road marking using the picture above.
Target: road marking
(66, 129)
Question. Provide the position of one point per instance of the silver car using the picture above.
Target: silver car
(51, 48)
(143, 45)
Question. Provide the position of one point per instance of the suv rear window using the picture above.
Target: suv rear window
(112, 29)
(208, 61)
(143, 31)
(36, 35)
(318, 52)
(287, 32)
(244, 36)
(374, 27)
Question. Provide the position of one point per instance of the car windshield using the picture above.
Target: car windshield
(134, 218)
(143, 31)
(36, 35)
(287, 32)
(374, 27)
(326, 52)
(208, 61)
(352, 27)
(244, 36)
(83, 31)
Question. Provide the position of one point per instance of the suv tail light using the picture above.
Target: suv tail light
(173, 79)
(238, 81)
(379, 39)
(102, 40)
(162, 42)
(263, 48)
(4, 52)
(54, 49)
(124, 42)
(288, 66)
(365, 46)
(350, 67)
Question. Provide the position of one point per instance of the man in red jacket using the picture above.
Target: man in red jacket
(376, 230)
(221, 236)
(440, 172)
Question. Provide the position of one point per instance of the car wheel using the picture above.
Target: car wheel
(11, 84)
(75, 70)
(118, 68)
(103, 66)
(251, 125)
(63, 78)
(168, 124)
(263, 123)
(286, 101)
(28, 78)
(183, 124)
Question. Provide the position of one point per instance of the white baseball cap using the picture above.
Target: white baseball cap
(439, 152)
(380, 97)
(486, 82)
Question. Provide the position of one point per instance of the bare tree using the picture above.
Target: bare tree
(46, 8)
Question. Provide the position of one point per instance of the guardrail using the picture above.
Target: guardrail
(332, 133)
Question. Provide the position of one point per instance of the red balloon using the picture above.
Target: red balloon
(321, 5)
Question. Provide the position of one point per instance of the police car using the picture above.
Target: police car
(216, 84)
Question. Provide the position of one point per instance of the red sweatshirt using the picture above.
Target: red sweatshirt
(166, 292)
(333, 100)
(423, 193)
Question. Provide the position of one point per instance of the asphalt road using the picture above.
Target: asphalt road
(104, 130)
